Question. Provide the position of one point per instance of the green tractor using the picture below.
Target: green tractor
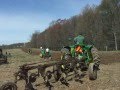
(87, 55)
(45, 53)
(3, 58)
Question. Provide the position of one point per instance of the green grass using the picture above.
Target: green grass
(18, 56)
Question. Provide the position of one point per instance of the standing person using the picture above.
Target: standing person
(42, 52)
(47, 50)
(47, 53)
(30, 51)
(41, 48)
(3, 57)
(1, 54)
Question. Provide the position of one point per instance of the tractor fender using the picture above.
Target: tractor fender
(89, 47)
(65, 50)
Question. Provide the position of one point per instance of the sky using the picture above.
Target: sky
(20, 18)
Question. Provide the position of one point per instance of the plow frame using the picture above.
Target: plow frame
(57, 73)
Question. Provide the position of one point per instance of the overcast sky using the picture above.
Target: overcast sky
(20, 18)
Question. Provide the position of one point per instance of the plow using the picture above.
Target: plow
(58, 72)
(77, 59)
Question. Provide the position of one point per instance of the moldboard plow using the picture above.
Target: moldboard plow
(76, 59)
(58, 70)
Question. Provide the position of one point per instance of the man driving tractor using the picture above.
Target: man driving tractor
(83, 50)
(87, 55)
(78, 45)
(79, 40)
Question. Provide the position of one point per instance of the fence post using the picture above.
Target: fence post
(116, 47)
(106, 48)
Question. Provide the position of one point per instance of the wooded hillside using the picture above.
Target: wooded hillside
(99, 24)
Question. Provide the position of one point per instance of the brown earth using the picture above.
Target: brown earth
(108, 76)
(106, 57)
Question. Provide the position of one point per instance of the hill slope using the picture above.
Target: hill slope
(108, 76)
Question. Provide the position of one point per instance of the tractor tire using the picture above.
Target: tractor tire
(95, 55)
(8, 86)
(65, 54)
(41, 56)
(67, 57)
(65, 51)
(92, 71)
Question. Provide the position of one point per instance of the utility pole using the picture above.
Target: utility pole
(116, 47)
(106, 48)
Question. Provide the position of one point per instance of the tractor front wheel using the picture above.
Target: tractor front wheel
(92, 71)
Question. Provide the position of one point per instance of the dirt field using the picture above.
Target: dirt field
(108, 76)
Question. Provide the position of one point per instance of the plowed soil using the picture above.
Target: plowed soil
(108, 75)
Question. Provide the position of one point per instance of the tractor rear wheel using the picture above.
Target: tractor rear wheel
(92, 71)
(65, 54)
(95, 55)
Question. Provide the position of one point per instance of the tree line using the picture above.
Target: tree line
(100, 25)
(12, 46)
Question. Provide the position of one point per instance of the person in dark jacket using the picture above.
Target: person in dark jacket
(2, 57)
(1, 54)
